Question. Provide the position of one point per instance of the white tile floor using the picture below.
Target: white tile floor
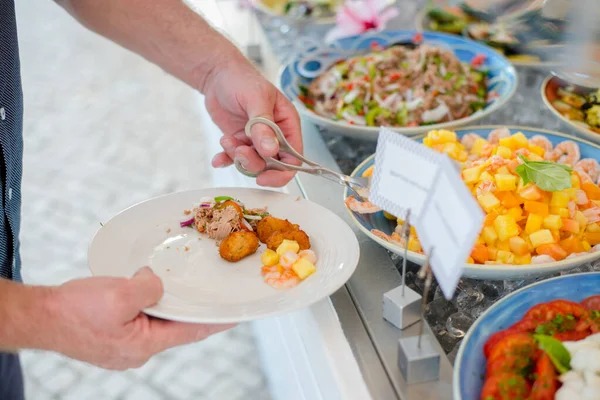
(103, 130)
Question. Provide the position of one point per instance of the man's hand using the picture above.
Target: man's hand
(238, 92)
(99, 320)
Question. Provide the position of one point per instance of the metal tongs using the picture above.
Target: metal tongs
(354, 184)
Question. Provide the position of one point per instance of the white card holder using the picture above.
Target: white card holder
(409, 167)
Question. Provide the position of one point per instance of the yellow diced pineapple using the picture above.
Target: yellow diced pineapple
(579, 217)
(462, 156)
(507, 142)
(560, 199)
(303, 268)
(523, 260)
(472, 175)
(288, 245)
(553, 222)
(489, 235)
(503, 245)
(269, 258)
(506, 182)
(586, 245)
(503, 171)
(413, 244)
(535, 157)
(452, 149)
(470, 260)
(506, 227)
(488, 201)
(563, 212)
(516, 213)
(504, 152)
(534, 223)
(486, 177)
(505, 257)
(520, 140)
(480, 240)
(575, 182)
(543, 236)
(593, 227)
(478, 146)
(537, 150)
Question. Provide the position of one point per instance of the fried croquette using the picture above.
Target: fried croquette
(238, 245)
(298, 235)
(269, 225)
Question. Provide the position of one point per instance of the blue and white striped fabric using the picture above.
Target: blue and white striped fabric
(11, 143)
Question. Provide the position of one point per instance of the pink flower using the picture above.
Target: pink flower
(360, 16)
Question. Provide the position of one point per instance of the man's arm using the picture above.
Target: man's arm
(165, 32)
(25, 312)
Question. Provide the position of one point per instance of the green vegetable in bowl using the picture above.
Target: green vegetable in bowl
(548, 176)
(592, 116)
(557, 352)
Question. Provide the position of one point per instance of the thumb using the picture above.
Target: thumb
(263, 137)
(145, 289)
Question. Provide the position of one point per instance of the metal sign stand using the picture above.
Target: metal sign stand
(418, 359)
(401, 305)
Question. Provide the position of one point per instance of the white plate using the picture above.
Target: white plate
(202, 287)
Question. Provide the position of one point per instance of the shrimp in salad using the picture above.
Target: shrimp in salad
(541, 141)
(497, 134)
(589, 167)
(361, 207)
(566, 152)
(469, 139)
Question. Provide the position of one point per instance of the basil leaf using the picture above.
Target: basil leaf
(557, 352)
(548, 176)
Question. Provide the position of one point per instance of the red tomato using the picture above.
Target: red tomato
(507, 363)
(571, 336)
(495, 338)
(478, 60)
(546, 384)
(505, 386)
(376, 46)
(541, 312)
(566, 307)
(592, 303)
(517, 344)
(418, 38)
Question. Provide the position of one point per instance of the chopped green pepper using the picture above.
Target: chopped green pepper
(372, 71)
(437, 60)
(402, 117)
(374, 113)
(477, 76)
(477, 105)
(220, 199)
(460, 82)
(358, 105)
(481, 92)
(448, 76)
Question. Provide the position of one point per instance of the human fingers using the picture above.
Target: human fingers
(272, 178)
(166, 334)
(143, 290)
(250, 159)
(221, 160)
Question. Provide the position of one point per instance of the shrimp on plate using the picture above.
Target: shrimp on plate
(496, 162)
(281, 279)
(485, 187)
(541, 141)
(394, 238)
(361, 207)
(566, 152)
(589, 167)
(497, 134)
(469, 139)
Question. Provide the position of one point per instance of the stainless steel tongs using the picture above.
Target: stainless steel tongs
(354, 184)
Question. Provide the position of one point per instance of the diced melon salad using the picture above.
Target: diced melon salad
(288, 265)
(537, 210)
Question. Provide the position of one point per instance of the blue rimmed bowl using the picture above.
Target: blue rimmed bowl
(367, 222)
(312, 62)
(470, 362)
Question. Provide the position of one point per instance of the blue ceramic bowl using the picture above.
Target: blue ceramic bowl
(470, 361)
(309, 64)
(367, 222)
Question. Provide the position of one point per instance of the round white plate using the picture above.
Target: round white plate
(202, 287)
